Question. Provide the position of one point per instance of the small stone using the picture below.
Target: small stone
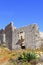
(39, 64)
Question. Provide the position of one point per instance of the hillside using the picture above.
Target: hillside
(7, 56)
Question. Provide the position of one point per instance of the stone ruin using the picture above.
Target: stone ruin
(21, 38)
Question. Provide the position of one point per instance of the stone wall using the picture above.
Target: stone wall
(2, 36)
(16, 38)
(8, 33)
(31, 35)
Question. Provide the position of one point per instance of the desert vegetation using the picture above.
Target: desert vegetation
(20, 57)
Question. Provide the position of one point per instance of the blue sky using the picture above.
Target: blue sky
(21, 12)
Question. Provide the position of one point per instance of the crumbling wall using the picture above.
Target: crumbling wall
(8, 32)
(2, 36)
(30, 38)
(15, 38)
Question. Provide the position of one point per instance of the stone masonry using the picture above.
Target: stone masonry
(21, 38)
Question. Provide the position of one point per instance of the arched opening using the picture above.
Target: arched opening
(23, 47)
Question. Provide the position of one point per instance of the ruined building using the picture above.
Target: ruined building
(21, 38)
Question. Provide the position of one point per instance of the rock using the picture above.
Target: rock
(38, 64)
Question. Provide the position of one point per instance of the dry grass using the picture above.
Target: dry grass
(6, 54)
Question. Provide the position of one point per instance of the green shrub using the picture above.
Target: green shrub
(22, 57)
(15, 63)
(28, 56)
